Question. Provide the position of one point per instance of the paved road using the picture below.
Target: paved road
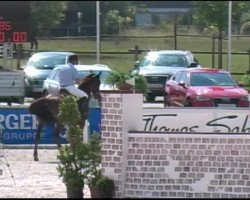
(31, 179)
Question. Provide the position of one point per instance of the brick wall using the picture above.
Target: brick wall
(188, 165)
(160, 165)
(111, 126)
(120, 113)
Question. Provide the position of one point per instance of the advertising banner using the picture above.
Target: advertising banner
(197, 120)
(17, 126)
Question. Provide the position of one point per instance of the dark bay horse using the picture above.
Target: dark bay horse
(46, 109)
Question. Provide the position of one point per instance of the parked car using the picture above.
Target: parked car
(159, 66)
(52, 86)
(37, 69)
(204, 87)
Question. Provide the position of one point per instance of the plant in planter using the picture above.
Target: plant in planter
(106, 187)
(70, 170)
(100, 186)
(140, 83)
(119, 79)
(75, 159)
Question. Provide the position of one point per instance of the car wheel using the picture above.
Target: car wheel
(150, 97)
(188, 103)
(166, 100)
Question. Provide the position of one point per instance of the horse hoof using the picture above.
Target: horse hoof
(35, 159)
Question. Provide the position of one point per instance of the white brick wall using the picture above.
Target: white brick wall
(164, 165)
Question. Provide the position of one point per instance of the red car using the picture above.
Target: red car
(204, 87)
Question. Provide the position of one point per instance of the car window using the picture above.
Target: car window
(144, 62)
(170, 60)
(53, 75)
(183, 77)
(222, 79)
(211, 79)
(176, 77)
(56, 75)
(48, 61)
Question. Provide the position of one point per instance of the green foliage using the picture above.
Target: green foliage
(68, 111)
(94, 171)
(121, 6)
(112, 18)
(215, 13)
(79, 161)
(141, 83)
(112, 13)
(245, 28)
(70, 169)
(106, 187)
(117, 78)
(245, 79)
(45, 14)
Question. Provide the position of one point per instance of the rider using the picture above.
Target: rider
(68, 78)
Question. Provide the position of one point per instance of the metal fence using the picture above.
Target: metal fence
(195, 39)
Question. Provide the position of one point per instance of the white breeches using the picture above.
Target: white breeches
(75, 91)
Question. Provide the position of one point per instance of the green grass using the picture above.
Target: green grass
(125, 62)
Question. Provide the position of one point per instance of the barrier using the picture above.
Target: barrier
(149, 154)
(19, 127)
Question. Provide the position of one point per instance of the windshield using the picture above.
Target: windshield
(211, 79)
(47, 62)
(165, 60)
(103, 77)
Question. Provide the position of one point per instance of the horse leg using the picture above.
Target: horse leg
(82, 122)
(37, 139)
(58, 130)
(83, 107)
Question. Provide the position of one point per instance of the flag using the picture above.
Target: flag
(131, 81)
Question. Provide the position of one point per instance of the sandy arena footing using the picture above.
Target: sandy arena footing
(25, 178)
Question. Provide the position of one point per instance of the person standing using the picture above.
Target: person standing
(33, 34)
(33, 41)
(68, 78)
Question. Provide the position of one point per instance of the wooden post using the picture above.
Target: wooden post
(19, 56)
(175, 35)
(248, 51)
(220, 51)
(213, 50)
(136, 52)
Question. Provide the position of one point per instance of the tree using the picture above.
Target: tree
(113, 11)
(46, 14)
(214, 14)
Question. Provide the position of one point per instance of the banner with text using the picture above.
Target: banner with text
(17, 126)
(196, 120)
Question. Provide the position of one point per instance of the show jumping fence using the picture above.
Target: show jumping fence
(153, 164)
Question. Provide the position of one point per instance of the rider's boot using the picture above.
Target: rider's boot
(83, 104)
